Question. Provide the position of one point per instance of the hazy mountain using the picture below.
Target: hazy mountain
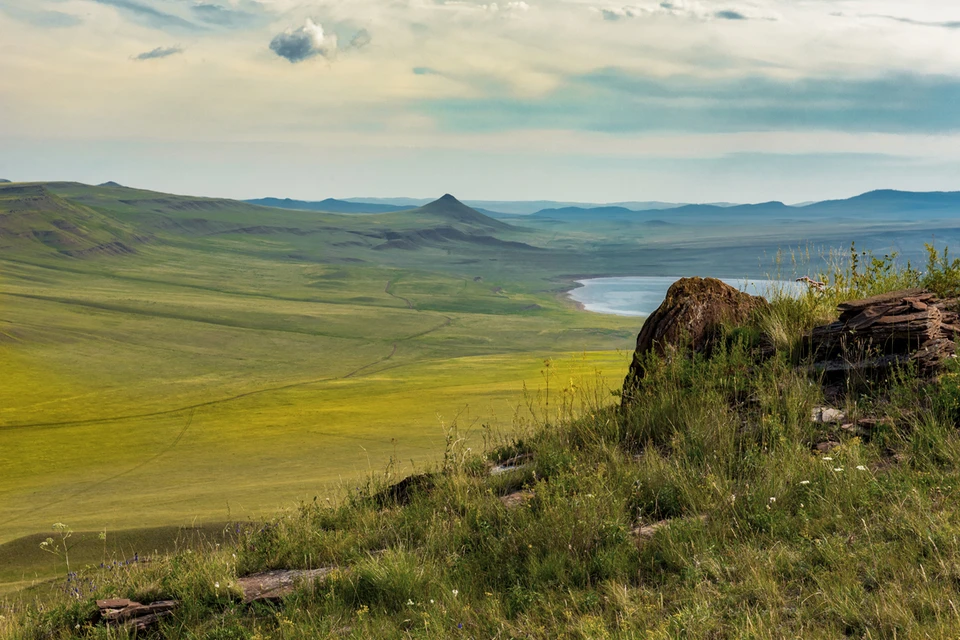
(871, 206)
(2, 181)
(510, 208)
(113, 184)
(330, 205)
(450, 209)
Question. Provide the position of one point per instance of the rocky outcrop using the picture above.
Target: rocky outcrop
(690, 318)
(133, 615)
(875, 335)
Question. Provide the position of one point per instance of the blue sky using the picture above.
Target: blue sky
(559, 99)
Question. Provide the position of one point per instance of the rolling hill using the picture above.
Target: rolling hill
(34, 219)
(330, 205)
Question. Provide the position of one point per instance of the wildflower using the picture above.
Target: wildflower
(804, 482)
(409, 602)
(838, 469)
(772, 499)
(860, 467)
(827, 458)
(431, 600)
(455, 593)
(216, 585)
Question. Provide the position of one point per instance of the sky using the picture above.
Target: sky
(574, 100)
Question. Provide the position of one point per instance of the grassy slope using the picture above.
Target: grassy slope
(763, 537)
(211, 374)
(207, 374)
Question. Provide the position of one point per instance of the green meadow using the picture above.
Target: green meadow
(170, 360)
(204, 377)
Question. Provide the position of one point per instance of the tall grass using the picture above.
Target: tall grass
(757, 533)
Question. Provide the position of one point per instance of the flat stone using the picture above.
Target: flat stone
(513, 500)
(827, 415)
(276, 584)
(137, 611)
(646, 532)
(116, 603)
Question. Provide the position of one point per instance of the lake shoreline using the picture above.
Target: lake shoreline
(640, 296)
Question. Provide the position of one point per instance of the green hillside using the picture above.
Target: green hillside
(33, 219)
(236, 358)
(240, 358)
(715, 508)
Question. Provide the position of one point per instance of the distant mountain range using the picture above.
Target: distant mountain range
(878, 205)
(504, 208)
(884, 204)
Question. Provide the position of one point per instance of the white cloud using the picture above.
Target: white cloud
(297, 45)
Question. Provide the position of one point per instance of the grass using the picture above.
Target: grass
(241, 360)
(760, 535)
(198, 383)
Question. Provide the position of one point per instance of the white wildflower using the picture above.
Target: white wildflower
(838, 469)
(772, 499)
(216, 585)
(827, 458)
(455, 593)
(860, 467)
(804, 482)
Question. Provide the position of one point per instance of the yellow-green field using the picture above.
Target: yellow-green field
(236, 360)
(152, 391)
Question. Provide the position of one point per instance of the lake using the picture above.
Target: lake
(640, 296)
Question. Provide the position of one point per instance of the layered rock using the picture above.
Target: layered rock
(876, 334)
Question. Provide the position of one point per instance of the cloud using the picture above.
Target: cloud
(159, 52)
(297, 45)
(360, 39)
(617, 14)
(219, 15)
(41, 18)
(617, 101)
(149, 16)
(676, 8)
(951, 24)
(729, 15)
(425, 71)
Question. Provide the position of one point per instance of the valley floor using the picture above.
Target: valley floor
(139, 393)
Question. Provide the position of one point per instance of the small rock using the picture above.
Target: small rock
(827, 415)
(646, 532)
(513, 500)
(519, 463)
(116, 603)
(827, 447)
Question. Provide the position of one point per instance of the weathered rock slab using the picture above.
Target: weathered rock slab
(133, 614)
(275, 585)
(875, 335)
